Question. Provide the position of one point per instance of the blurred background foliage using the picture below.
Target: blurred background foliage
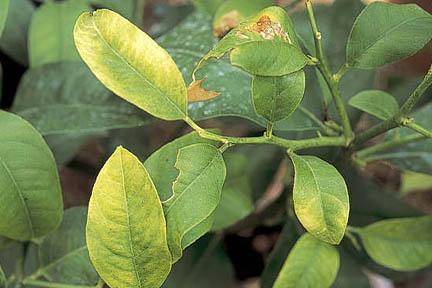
(43, 79)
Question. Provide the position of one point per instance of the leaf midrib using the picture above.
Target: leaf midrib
(126, 203)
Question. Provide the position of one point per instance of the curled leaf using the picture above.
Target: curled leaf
(197, 93)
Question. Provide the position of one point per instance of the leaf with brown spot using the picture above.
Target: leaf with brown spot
(197, 93)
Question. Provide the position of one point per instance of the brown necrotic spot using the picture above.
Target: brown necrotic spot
(269, 30)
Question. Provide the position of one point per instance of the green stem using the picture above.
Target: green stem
(389, 145)
(352, 229)
(398, 119)
(328, 130)
(273, 140)
(332, 82)
(338, 76)
(46, 284)
(419, 129)
(353, 239)
(269, 131)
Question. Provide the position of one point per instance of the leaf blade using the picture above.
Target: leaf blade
(276, 98)
(63, 254)
(54, 22)
(29, 181)
(384, 41)
(122, 197)
(149, 77)
(320, 198)
(196, 194)
(324, 267)
(375, 102)
(65, 98)
(403, 244)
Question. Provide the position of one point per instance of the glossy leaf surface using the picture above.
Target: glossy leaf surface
(160, 165)
(311, 263)
(377, 103)
(253, 58)
(63, 254)
(403, 244)
(320, 198)
(29, 183)
(275, 98)
(131, 64)
(196, 194)
(384, 33)
(125, 203)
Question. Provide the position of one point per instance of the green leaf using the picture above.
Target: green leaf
(236, 201)
(275, 98)
(232, 12)
(2, 278)
(4, 8)
(65, 98)
(375, 102)
(196, 194)
(63, 254)
(13, 41)
(320, 198)
(403, 244)
(112, 46)
(160, 165)
(384, 33)
(29, 182)
(54, 22)
(125, 203)
(275, 58)
(310, 262)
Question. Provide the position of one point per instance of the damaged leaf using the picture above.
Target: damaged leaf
(232, 12)
(269, 34)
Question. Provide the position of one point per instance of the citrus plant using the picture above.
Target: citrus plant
(144, 215)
